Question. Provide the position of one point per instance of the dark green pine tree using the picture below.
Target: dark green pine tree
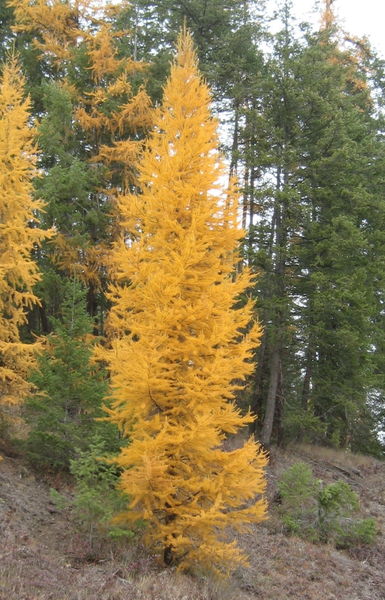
(69, 388)
(273, 212)
(224, 34)
(317, 240)
(69, 188)
(341, 250)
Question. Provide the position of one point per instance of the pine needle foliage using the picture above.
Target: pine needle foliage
(179, 348)
(68, 389)
(19, 234)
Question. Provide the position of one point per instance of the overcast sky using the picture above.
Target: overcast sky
(359, 17)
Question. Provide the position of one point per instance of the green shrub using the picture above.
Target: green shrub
(322, 512)
(298, 490)
(60, 501)
(360, 532)
(301, 425)
(336, 503)
(96, 499)
(46, 451)
(297, 482)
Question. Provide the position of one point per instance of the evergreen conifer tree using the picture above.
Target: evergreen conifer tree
(273, 207)
(340, 250)
(317, 240)
(178, 345)
(69, 387)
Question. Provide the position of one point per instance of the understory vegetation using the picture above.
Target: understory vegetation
(319, 512)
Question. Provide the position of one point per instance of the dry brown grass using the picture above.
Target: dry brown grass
(343, 458)
(44, 557)
(27, 575)
(284, 568)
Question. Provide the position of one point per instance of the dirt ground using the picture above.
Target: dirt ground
(44, 557)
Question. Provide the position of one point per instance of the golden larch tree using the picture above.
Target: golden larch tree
(77, 38)
(179, 348)
(117, 132)
(107, 106)
(19, 234)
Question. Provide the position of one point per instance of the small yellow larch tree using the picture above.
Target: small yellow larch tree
(112, 116)
(114, 119)
(106, 107)
(179, 347)
(19, 234)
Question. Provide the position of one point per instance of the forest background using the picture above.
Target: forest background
(302, 112)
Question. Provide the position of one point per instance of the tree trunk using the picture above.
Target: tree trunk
(279, 407)
(307, 379)
(268, 421)
(168, 557)
(44, 324)
(235, 144)
(256, 403)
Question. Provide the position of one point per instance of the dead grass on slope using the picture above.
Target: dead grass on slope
(344, 458)
(283, 568)
(44, 557)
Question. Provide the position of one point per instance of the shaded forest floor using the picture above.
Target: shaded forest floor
(44, 557)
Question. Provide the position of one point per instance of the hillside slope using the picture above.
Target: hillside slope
(44, 557)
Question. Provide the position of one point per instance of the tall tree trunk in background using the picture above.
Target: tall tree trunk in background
(275, 155)
(279, 408)
(257, 403)
(309, 359)
(268, 420)
(277, 315)
(235, 143)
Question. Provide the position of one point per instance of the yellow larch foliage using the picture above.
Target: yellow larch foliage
(85, 263)
(353, 59)
(19, 234)
(112, 111)
(113, 132)
(179, 347)
(61, 28)
(114, 118)
(103, 54)
(111, 114)
(57, 22)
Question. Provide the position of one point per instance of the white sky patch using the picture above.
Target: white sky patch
(357, 17)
